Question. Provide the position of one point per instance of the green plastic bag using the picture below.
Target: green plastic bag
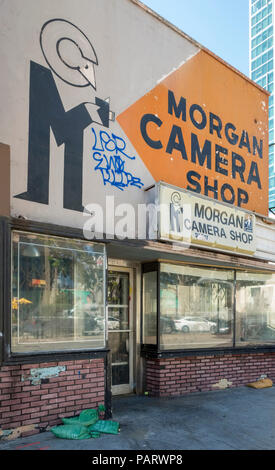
(86, 418)
(71, 431)
(95, 434)
(106, 427)
(78, 426)
(74, 420)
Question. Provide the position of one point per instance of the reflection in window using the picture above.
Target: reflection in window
(196, 307)
(57, 294)
(119, 345)
(150, 307)
(255, 304)
(118, 300)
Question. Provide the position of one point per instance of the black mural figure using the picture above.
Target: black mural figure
(72, 59)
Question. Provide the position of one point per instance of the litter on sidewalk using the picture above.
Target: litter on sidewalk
(262, 383)
(85, 426)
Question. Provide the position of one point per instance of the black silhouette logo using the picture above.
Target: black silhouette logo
(69, 55)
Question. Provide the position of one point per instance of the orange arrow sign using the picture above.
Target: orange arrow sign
(205, 128)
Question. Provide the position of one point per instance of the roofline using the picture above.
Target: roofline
(196, 43)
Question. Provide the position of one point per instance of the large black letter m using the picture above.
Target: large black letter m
(46, 112)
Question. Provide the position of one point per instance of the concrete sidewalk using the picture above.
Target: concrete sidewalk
(233, 419)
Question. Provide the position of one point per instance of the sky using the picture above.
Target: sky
(219, 25)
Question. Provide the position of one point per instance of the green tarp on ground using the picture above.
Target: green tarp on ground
(71, 431)
(86, 418)
(106, 427)
(85, 426)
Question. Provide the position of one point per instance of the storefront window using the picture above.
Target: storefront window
(189, 307)
(196, 307)
(58, 288)
(255, 305)
(150, 307)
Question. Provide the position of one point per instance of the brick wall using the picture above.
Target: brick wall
(35, 407)
(178, 376)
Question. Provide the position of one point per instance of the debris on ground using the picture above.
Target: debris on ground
(71, 431)
(86, 418)
(85, 426)
(262, 383)
(106, 427)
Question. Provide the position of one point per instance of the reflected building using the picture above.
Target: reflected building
(261, 68)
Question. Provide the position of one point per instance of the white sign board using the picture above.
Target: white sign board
(185, 217)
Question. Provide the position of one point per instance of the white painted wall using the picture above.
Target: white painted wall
(134, 50)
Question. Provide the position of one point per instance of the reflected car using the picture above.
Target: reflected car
(113, 323)
(187, 324)
(167, 325)
(93, 324)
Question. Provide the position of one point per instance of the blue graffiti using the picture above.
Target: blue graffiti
(109, 151)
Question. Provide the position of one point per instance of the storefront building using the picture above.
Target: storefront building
(136, 250)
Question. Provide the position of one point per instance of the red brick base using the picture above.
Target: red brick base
(178, 376)
(38, 406)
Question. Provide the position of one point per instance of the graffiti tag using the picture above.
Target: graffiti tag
(109, 152)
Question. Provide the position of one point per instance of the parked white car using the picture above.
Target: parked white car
(187, 324)
(113, 323)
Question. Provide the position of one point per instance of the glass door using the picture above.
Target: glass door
(120, 334)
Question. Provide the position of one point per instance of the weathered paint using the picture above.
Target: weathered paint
(10, 434)
(36, 375)
(265, 237)
(5, 180)
(204, 128)
(18, 409)
(47, 181)
(222, 384)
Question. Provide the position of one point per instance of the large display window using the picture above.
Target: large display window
(255, 308)
(196, 307)
(191, 307)
(58, 294)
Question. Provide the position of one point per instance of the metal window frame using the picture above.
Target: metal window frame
(126, 388)
(7, 357)
(146, 268)
(154, 351)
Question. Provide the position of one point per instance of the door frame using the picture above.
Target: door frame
(125, 388)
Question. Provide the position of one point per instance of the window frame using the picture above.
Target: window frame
(150, 267)
(155, 351)
(7, 356)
